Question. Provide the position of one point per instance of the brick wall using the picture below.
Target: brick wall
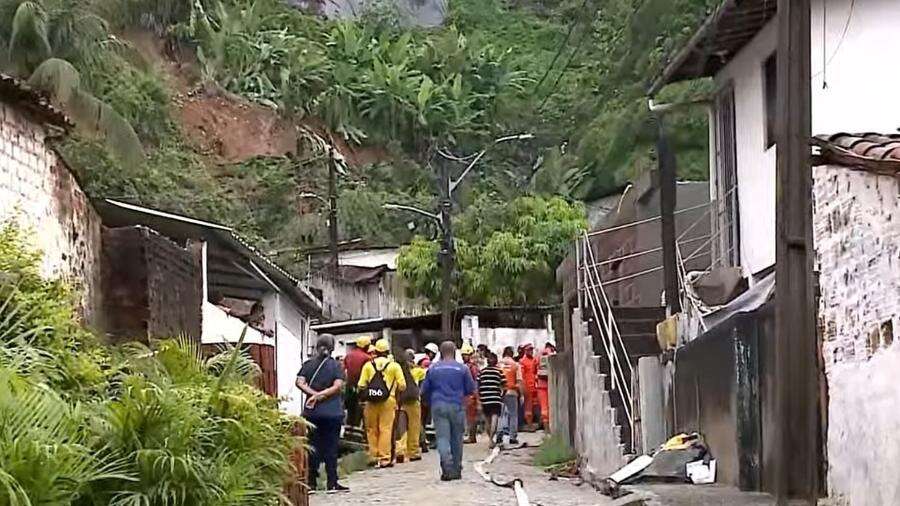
(41, 195)
(152, 286)
(857, 235)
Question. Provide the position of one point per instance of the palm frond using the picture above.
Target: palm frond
(28, 43)
(59, 78)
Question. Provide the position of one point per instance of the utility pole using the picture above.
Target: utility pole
(668, 200)
(332, 212)
(446, 254)
(796, 349)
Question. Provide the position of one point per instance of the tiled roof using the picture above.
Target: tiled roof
(721, 36)
(18, 92)
(874, 152)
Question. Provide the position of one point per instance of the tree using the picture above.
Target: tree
(44, 41)
(506, 253)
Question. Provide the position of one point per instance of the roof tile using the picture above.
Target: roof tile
(14, 90)
(871, 151)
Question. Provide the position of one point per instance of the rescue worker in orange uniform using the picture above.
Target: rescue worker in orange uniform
(529, 365)
(379, 382)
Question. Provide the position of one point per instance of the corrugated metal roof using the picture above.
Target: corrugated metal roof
(17, 92)
(116, 213)
(874, 152)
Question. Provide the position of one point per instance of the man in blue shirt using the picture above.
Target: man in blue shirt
(446, 385)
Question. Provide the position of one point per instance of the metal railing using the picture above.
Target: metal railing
(600, 309)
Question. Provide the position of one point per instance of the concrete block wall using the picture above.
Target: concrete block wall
(561, 389)
(41, 195)
(857, 237)
(596, 433)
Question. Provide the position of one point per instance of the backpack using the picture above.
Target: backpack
(377, 390)
(412, 392)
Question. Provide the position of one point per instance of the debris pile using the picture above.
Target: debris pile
(684, 458)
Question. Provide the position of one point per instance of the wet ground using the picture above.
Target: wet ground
(418, 483)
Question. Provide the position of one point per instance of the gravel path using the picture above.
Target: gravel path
(418, 483)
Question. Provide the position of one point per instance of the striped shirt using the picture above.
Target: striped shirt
(490, 386)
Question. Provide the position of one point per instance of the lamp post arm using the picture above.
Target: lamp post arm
(416, 210)
(480, 155)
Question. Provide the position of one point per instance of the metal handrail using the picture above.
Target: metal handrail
(610, 335)
(613, 326)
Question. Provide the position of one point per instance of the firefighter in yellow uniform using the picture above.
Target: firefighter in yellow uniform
(408, 447)
(385, 377)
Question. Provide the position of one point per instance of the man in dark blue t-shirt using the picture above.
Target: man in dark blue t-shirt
(321, 379)
(446, 384)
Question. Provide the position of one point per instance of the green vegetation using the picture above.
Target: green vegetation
(571, 72)
(554, 450)
(85, 424)
(506, 254)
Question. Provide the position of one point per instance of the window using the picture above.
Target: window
(770, 82)
(727, 220)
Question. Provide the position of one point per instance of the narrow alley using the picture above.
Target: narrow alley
(417, 483)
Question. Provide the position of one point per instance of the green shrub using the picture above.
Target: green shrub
(554, 450)
(86, 424)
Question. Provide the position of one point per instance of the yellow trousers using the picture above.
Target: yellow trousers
(380, 429)
(408, 444)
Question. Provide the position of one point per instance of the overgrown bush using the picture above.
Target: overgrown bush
(85, 424)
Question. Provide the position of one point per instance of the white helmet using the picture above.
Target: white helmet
(433, 348)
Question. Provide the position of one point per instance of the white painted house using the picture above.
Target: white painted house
(851, 90)
(856, 206)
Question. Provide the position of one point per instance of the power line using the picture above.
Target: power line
(560, 50)
(566, 67)
(837, 48)
(563, 71)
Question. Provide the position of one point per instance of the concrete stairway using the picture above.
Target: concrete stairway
(637, 326)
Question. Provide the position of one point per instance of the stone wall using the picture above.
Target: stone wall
(857, 236)
(596, 434)
(41, 195)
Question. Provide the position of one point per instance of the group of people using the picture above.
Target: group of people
(397, 395)
(511, 388)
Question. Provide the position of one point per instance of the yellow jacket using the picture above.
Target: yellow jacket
(393, 374)
(417, 373)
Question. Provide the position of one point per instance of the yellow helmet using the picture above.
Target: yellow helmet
(382, 346)
(363, 342)
(467, 349)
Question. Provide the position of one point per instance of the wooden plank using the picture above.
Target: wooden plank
(668, 197)
(795, 331)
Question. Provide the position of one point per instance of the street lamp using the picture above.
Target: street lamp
(401, 207)
(446, 187)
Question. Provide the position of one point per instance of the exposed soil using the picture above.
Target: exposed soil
(231, 130)
(226, 127)
(175, 63)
